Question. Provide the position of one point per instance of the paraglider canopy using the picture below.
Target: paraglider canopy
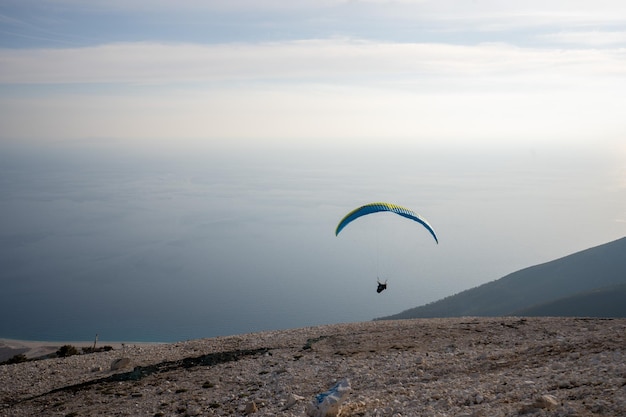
(382, 207)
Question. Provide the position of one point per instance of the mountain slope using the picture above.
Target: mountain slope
(603, 302)
(598, 267)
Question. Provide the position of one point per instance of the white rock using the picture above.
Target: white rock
(292, 399)
(547, 401)
(120, 363)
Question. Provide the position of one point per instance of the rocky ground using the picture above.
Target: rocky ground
(479, 367)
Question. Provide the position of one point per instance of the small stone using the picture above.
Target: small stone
(528, 409)
(292, 400)
(565, 384)
(120, 363)
(193, 411)
(547, 401)
(251, 408)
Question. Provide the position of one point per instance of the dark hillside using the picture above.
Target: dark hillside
(599, 267)
(604, 302)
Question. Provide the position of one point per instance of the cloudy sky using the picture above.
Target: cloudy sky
(501, 122)
(313, 70)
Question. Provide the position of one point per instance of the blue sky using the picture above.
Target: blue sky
(218, 143)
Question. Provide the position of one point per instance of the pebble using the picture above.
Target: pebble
(120, 363)
(251, 408)
(547, 401)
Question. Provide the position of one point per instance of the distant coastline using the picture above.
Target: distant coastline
(33, 349)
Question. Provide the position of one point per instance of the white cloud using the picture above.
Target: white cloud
(312, 90)
(344, 60)
(314, 113)
(587, 38)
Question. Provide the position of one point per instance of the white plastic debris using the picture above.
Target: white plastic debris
(328, 404)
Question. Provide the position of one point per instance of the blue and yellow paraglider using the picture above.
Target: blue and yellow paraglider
(382, 207)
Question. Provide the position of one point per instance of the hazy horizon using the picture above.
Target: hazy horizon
(153, 247)
(177, 170)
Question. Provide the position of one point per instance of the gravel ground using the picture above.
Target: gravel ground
(461, 367)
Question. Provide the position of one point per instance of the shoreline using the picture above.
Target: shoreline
(34, 349)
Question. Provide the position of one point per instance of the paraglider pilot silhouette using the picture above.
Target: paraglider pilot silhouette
(384, 207)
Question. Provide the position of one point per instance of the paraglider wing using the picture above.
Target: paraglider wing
(378, 207)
